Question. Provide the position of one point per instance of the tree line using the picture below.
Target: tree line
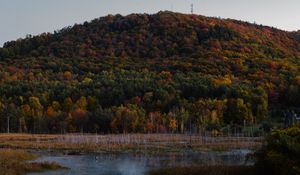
(121, 100)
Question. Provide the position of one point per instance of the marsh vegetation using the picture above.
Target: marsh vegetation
(14, 162)
(149, 143)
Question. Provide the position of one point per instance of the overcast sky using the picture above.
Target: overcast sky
(21, 17)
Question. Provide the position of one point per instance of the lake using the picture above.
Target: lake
(138, 164)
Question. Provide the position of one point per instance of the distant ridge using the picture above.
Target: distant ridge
(165, 34)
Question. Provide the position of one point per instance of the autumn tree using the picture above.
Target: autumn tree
(129, 118)
(36, 113)
(173, 125)
(181, 116)
(237, 112)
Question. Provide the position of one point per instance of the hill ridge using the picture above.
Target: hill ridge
(164, 34)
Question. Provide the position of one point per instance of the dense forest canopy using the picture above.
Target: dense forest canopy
(166, 72)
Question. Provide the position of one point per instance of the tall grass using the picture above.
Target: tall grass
(129, 142)
(15, 162)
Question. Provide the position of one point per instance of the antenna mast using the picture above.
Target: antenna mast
(192, 8)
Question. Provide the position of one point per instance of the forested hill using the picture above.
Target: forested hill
(165, 34)
(166, 72)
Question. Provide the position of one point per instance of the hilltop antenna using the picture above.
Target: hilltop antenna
(192, 8)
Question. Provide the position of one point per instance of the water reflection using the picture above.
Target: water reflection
(137, 164)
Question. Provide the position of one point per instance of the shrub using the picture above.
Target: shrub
(281, 154)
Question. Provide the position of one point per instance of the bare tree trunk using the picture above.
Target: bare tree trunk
(8, 121)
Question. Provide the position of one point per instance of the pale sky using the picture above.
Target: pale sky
(21, 17)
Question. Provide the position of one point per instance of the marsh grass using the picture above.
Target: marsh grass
(150, 143)
(15, 162)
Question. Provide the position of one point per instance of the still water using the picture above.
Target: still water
(137, 164)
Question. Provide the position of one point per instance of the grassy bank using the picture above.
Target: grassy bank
(15, 162)
(150, 143)
(207, 170)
